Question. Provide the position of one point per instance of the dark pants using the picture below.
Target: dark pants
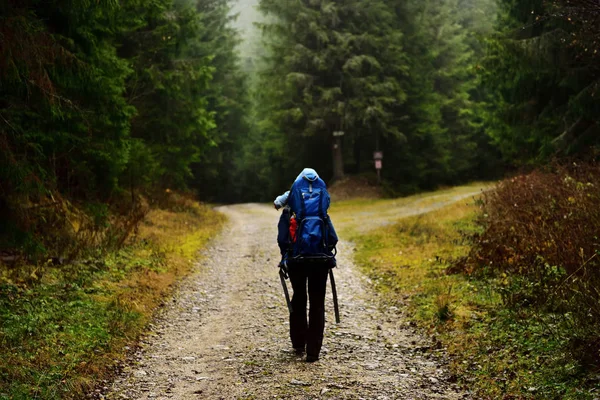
(309, 331)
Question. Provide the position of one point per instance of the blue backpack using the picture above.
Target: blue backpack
(315, 236)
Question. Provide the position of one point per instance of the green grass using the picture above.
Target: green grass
(349, 216)
(63, 328)
(497, 352)
(49, 335)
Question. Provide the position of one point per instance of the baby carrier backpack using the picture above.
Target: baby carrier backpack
(306, 233)
(314, 237)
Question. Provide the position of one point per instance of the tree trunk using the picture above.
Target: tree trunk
(338, 160)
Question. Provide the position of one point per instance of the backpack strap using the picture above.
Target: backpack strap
(302, 205)
(321, 214)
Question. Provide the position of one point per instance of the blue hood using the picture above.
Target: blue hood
(308, 174)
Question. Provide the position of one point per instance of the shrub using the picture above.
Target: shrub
(55, 227)
(541, 242)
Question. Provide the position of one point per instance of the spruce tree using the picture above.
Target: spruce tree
(542, 72)
(216, 175)
(332, 67)
(172, 72)
(445, 142)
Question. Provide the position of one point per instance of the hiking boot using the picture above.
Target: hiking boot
(311, 358)
(299, 350)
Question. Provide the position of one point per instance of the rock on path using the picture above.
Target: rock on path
(225, 334)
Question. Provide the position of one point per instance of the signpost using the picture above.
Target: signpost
(378, 157)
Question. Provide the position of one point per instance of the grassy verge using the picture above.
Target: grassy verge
(349, 216)
(498, 352)
(63, 327)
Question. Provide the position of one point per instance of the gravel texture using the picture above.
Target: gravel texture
(224, 335)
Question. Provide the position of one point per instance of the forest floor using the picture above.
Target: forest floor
(224, 335)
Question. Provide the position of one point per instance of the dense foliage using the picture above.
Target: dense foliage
(541, 72)
(104, 101)
(451, 90)
(538, 252)
(538, 231)
(394, 76)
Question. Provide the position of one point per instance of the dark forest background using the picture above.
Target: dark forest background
(106, 105)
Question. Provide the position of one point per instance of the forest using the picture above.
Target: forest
(106, 102)
(112, 108)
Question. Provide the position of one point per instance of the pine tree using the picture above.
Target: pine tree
(441, 118)
(332, 66)
(65, 121)
(216, 175)
(102, 100)
(172, 72)
(541, 71)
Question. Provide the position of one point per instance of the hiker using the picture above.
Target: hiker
(307, 242)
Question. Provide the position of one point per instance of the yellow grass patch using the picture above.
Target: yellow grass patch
(177, 236)
(360, 216)
(65, 331)
(408, 258)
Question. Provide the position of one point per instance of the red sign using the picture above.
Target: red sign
(378, 164)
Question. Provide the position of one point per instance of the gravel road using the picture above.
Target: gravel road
(224, 335)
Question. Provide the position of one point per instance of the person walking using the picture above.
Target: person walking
(307, 240)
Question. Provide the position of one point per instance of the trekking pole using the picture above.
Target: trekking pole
(285, 290)
(336, 307)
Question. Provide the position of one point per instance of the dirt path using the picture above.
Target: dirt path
(387, 212)
(225, 334)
